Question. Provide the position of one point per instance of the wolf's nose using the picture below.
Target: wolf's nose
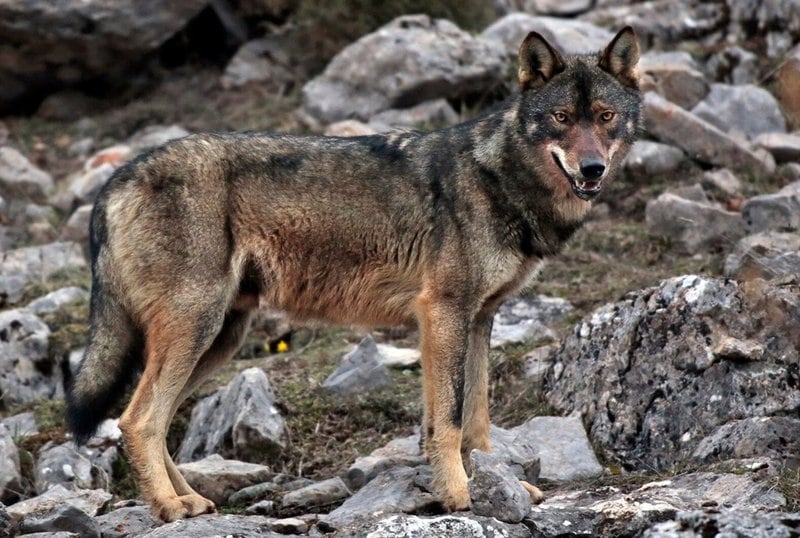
(592, 168)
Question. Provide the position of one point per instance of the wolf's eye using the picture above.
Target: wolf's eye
(560, 117)
(607, 116)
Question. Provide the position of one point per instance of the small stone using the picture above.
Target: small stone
(77, 225)
(745, 111)
(62, 464)
(647, 159)
(153, 136)
(723, 180)
(430, 114)
(317, 495)
(19, 178)
(261, 508)
(361, 370)
(398, 357)
(495, 491)
(695, 226)
(216, 478)
(127, 521)
(738, 350)
(785, 147)
(56, 300)
(527, 319)
(675, 76)
(777, 211)
(10, 472)
(290, 525)
(398, 452)
(765, 255)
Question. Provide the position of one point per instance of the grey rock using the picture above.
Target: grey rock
(153, 136)
(290, 525)
(404, 451)
(661, 23)
(701, 140)
(396, 490)
(464, 525)
(785, 147)
(65, 518)
(647, 159)
(20, 266)
(564, 522)
(216, 478)
(316, 495)
(558, 445)
(89, 501)
(722, 180)
(564, 8)
(775, 437)
(77, 226)
(766, 14)
(764, 255)
(495, 491)
(646, 376)
(261, 508)
(264, 61)
(733, 524)
(84, 186)
(62, 464)
(675, 76)
(126, 521)
(56, 300)
(19, 178)
(745, 111)
(694, 226)
(51, 46)
(777, 211)
(567, 35)
(361, 370)
(10, 472)
(21, 425)
(527, 319)
(239, 420)
(435, 113)
(215, 526)
(410, 60)
(27, 372)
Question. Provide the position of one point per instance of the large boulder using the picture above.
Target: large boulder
(410, 60)
(745, 111)
(48, 44)
(568, 35)
(655, 374)
(27, 372)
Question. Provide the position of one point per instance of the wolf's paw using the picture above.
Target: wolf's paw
(183, 506)
(455, 499)
(536, 494)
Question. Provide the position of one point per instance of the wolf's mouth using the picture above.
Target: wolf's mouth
(585, 190)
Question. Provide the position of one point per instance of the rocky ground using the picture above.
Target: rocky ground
(649, 383)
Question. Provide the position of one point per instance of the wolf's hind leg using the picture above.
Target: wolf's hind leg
(175, 338)
(227, 342)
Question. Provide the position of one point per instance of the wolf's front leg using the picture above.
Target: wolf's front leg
(444, 345)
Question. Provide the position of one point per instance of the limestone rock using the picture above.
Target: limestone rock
(22, 265)
(89, 501)
(647, 159)
(263, 61)
(644, 374)
(785, 147)
(240, 419)
(361, 370)
(776, 211)
(464, 525)
(315, 496)
(19, 178)
(55, 300)
(215, 526)
(567, 35)
(27, 372)
(410, 60)
(63, 464)
(527, 319)
(77, 226)
(10, 472)
(745, 111)
(430, 114)
(216, 478)
(127, 521)
(675, 76)
(737, 524)
(765, 255)
(695, 226)
(494, 490)
(404, 451)
(701, 140)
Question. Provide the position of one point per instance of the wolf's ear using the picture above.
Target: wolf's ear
(621, 56)
(538, 62)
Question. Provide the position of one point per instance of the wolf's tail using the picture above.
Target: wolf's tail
(114, 352)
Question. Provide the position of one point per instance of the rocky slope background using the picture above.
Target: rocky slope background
(649, 382)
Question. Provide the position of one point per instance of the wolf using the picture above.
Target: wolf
(434, 229)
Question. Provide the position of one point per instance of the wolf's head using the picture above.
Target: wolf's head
(579, 113)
